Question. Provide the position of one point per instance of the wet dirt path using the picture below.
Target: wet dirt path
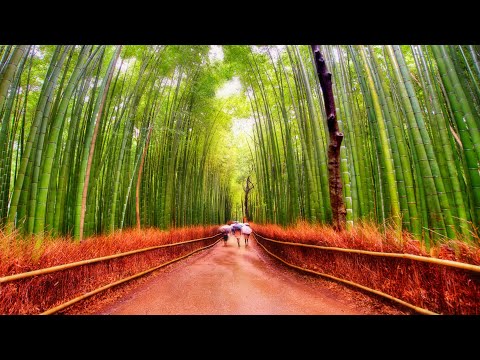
(232, 280)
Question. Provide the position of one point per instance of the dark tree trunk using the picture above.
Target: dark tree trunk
(335, 136)
(248, 186)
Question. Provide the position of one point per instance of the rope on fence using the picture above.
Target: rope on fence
(450, 263)
(404, 303)
(90, 261)
(105, 287)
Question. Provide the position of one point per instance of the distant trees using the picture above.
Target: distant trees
(409, 115)
(80, 126)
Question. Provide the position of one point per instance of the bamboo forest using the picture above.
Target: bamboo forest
(124, 143)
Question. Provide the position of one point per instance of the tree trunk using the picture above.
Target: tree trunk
(336, 137)
(248, 186)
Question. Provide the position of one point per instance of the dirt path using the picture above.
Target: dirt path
(232, 280)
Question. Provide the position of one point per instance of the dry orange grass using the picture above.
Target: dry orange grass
(434, 287)
(37, 294)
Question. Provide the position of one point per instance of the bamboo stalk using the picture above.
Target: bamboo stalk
(91, 148)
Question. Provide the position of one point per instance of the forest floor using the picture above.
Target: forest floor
(232, 280)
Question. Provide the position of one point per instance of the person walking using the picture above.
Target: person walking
(225, 230)
(237, 231)
(246, 231)
(225, 237)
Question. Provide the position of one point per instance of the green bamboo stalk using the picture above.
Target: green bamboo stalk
(468, 132)
(10, 68)
(468, 92)
(357, 141)
(470, 72)
(475, 58)
(52, 143)
(447, 152)
(6, 141)
(400, 158)
(435, 192)
(324, 212)
(350, 153)
(90, 145)
(373, 149)
(47, 89)
(39, 151)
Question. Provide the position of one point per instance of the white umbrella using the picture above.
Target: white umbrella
(246, 230)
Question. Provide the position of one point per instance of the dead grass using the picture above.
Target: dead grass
(434, 287)
(39, 293)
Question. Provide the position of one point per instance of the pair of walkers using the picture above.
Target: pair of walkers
(241, 229)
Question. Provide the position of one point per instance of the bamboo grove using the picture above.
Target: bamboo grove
(99, 138)
(410, 159)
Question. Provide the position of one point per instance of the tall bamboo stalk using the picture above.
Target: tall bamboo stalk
(90, 145)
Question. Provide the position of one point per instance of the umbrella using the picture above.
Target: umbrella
(246, 230)
(237, 226)
(225, 228)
